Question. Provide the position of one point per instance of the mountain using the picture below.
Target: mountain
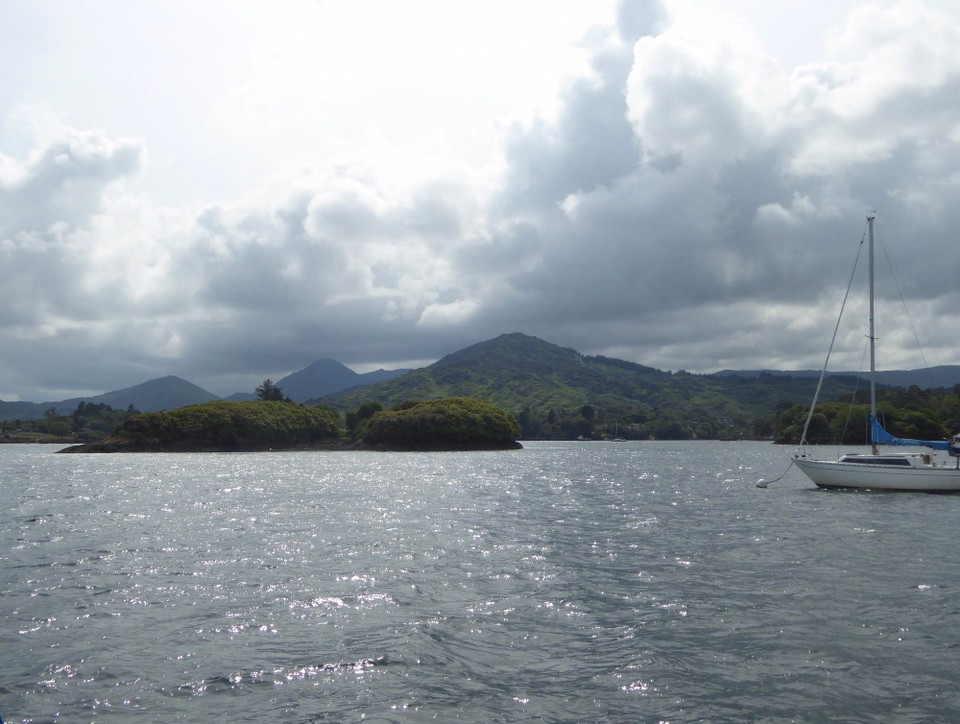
(318, 379)
(556, 386)
(163, 393)
(507, 369)
(168, 393)
(21, 410)
(541, 382)
(323, 377)
(368, 378)
(326, 376)
(930, 378)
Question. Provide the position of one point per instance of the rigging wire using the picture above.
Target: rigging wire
(903, 302)
(853, 401)
(823, 372)
(761, 483)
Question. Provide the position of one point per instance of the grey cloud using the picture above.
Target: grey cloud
(637, 18)
(64, 181)
(591, 144)
(46, 207)
(511, 246)
(689, 206)
(548, 163)
(433, 213)
(687, 240)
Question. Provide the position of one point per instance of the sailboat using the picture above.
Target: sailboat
(917, 471)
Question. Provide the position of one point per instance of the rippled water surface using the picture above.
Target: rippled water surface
(562, 582)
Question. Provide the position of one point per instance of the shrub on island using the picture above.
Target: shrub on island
(453, 423)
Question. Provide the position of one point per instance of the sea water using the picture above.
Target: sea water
(637, 581)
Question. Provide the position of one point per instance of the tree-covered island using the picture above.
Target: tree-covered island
(270, 424)
(453, 423)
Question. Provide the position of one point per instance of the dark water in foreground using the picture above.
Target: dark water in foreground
(563, 582)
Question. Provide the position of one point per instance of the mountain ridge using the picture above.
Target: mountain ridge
(160, 393)
(930, 378)
(171, 392)
(521, 373)
(557, 391)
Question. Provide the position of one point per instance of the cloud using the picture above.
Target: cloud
(728, 199)
(48, 206)
(64, 181)
(688, 202)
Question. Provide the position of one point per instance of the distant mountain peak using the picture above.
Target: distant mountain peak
(318, 378)
(162, 393)
(325, 364)
(326, 376)
(513, 349)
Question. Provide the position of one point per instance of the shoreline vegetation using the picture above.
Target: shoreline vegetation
(271, 425)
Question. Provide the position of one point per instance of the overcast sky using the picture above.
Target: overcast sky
(227, 191)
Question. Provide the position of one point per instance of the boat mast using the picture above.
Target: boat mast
(873, 345)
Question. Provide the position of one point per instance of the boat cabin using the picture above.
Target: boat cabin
(954, 447)
(912, 460)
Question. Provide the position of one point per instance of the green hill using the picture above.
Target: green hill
(556, 392)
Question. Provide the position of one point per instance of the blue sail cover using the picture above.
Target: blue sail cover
(882, 437)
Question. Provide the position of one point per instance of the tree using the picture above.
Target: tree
(269, 391)
(356, 421)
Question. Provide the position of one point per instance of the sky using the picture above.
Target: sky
(229, 190)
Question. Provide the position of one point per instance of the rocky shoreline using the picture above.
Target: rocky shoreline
(325, 445)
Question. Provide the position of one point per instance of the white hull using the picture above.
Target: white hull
(921, 478)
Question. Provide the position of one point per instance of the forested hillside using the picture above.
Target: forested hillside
(558, 393)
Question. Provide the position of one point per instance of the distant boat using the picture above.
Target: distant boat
(882, 471)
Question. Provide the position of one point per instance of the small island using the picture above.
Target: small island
(221, 426)
(452, 423)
